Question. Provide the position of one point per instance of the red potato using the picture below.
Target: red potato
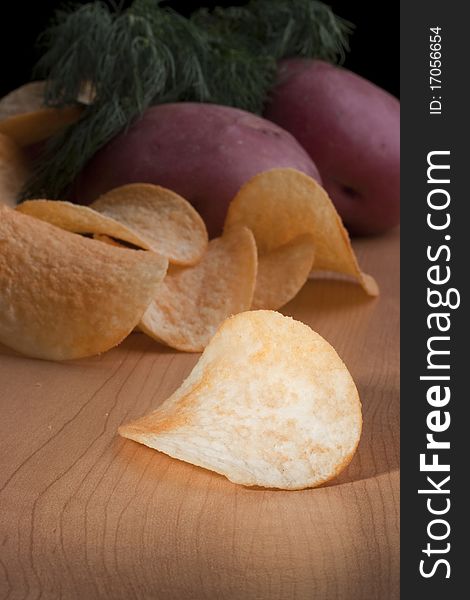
(204, 152)
(351, 129)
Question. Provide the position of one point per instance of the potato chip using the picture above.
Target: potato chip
(282, 272)
(108, 240)
(168, 221)
(27, 98)
(269, 403)
(32, 127)
(81, 219)
(13, 171)
(63, 296)
(193, 301)
(281, 204)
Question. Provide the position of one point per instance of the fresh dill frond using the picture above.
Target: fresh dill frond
(149, 54)
(283, 29)
(73, 43)
(131, 59)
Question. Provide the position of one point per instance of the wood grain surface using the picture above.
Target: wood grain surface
(86, 514)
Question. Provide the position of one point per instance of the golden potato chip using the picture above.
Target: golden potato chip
(25, 99)
(64, 296)
(192, 302)
(269, 403)
(81, 219)
(168, 221)
(108, 240)
(281, 204)
(13, 171)
(282, 272)
(32, 127)
(29, 98)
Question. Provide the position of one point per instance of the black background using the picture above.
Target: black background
(374, 44)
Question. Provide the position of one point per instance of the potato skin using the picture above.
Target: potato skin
(204, 152)
(351, 130)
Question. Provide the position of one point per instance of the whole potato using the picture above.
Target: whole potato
(204, 152)
(351, 129)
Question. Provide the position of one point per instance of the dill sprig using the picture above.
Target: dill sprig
(305, 28)
(149, 54)
(130, 59)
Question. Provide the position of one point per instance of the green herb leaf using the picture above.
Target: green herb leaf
(304, 28)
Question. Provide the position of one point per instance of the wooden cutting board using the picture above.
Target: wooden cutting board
(86, 514)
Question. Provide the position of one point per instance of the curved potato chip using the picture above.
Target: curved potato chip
(281, 204)
(32, 127)
(269, 403)
(193, 301)
(27, 98)
(81, 219)
(30, 97)
(108, 240)
(63, 296)
(13, 171)
(171, 225)
(282, 272)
